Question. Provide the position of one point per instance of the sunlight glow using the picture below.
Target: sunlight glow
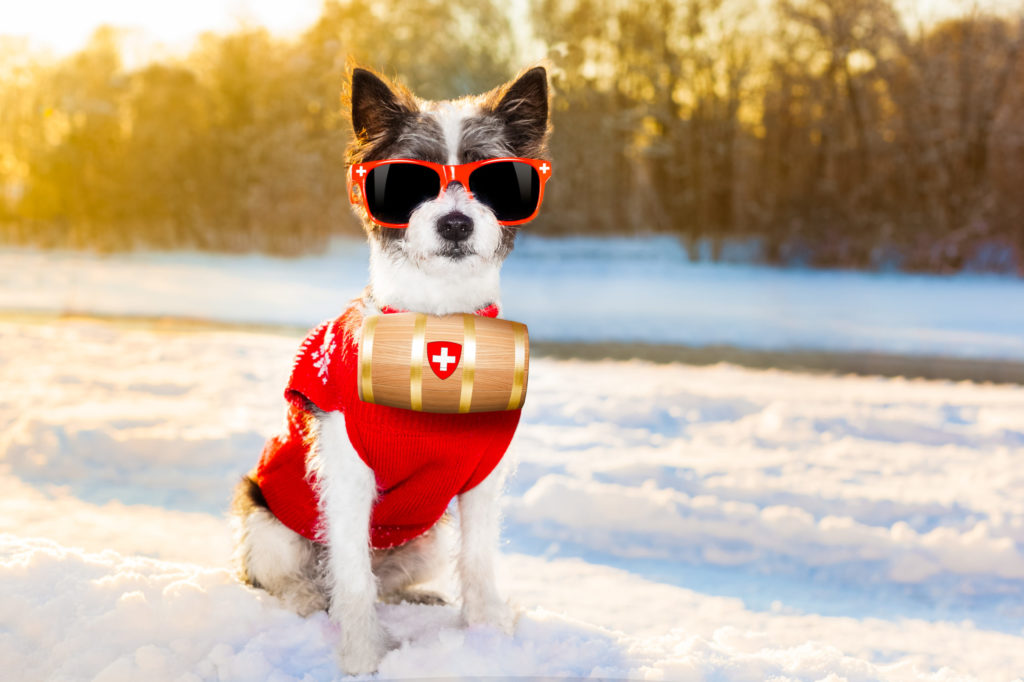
(928, 11)
(64, 26)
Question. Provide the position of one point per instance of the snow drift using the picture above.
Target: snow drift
(665, 522)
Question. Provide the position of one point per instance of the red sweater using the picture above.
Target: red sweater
(421, 460)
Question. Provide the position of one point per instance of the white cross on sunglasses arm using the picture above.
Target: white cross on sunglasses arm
(361, 171)
(544, 168)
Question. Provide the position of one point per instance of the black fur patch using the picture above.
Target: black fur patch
(418, 137)
(387, 236)
(508, 240)
(422, 139)
(248, 497)
(484, 137)
(523, 108)
(379, 112)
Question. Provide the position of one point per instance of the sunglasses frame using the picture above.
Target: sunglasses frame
(357, 174)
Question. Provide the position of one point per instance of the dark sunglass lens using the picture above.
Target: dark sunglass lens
(394, 190)
(510, 188)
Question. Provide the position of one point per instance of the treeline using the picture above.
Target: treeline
(824, 132)
(237, 147)
(820, 132)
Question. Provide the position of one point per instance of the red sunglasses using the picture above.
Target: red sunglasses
(391, 190)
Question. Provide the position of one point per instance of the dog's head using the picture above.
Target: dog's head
(448, 257)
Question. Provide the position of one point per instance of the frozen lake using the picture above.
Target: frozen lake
(577, 289)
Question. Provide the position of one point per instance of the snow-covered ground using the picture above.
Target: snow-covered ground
(665, 522)
(565, 290)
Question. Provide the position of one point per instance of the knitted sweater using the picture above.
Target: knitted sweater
(421, 460)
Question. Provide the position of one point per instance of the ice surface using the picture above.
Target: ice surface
(640, 289)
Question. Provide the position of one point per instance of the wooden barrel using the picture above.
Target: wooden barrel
(447, 364)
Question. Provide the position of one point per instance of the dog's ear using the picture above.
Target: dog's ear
(523, 105)
(377, 107)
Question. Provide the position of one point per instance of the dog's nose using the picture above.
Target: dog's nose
(455, 227)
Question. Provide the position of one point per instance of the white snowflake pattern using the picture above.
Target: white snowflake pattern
(322, 356)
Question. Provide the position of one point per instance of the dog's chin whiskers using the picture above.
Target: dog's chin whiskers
(456, 252)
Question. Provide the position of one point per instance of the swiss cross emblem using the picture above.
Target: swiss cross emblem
(444, 357)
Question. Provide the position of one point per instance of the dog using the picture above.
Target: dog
(310, 526)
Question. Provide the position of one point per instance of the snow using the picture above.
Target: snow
(628, 290)
(137, 618)
(665, 522)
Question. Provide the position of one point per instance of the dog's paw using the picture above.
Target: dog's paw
(421, 597)
(359, 661)
(361, 653)
(306, 602)
(494, 613)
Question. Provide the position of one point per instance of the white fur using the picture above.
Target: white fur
(347, 489)
(414, 274)
(283, 560)
(480, 521)
(450, 116)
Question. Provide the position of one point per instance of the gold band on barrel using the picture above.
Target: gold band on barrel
(468, 363)
(419, 351)
(515, 399)
(366, 364)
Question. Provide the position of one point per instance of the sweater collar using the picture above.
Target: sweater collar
(491, 310)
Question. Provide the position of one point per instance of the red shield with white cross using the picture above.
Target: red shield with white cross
(443, 357)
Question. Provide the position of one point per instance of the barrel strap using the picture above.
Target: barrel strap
(366, 373)
(468, 363)
(492, 310)
(417, 360)
(515, 398)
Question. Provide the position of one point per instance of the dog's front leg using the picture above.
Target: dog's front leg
(479, 522)
(347, 491)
